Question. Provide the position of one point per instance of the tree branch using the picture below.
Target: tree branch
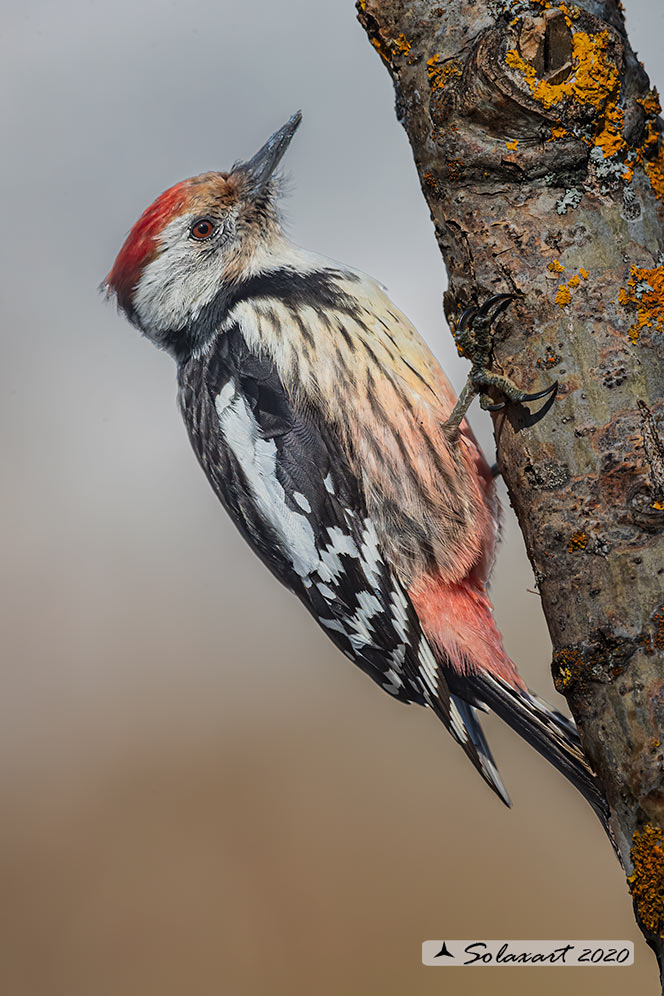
(539, 150)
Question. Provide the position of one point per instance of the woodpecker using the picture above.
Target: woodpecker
(333, 439)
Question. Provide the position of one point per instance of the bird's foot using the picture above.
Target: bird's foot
(475, 340)
(484, 378)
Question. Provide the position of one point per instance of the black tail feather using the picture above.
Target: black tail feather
(551, 734)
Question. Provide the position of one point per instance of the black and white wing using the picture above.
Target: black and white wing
(283, 477)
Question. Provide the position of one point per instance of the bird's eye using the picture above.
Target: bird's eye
(202, 229)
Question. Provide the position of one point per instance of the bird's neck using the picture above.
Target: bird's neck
(280, 254)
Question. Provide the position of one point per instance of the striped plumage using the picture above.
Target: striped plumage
(318, 414)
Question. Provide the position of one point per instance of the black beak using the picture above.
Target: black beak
(262, 166)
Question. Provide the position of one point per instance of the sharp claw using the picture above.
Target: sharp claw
(502, 300)
(499, 310)
(552, 389)
(466, 319)
(498, 407)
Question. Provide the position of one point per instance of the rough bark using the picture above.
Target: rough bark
(538, 145)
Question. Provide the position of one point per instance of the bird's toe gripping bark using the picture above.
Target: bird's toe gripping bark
(475, 339)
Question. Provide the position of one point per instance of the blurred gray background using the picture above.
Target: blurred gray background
(199, 794)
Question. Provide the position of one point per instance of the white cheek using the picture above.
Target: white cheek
(176, 285)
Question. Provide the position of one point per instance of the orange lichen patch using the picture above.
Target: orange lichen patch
(568, 667)
(655, 173)
(550, 359)
(592, 81)
(650, 103)
(577, 541)
(555, 266)
(650, 154)
(565, 678)
(398, 46)
(646, 883)
(557, 131)
(658, 618)
(455, 169)
(382, 49)
(430, 180)
(571, 13)
(512, 145)
(441, 73)
(652, 640)
(645, 292)
(401, 46)
(563, 295)
(610, 139)
(659, 505)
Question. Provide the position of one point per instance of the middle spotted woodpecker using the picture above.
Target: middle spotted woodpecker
(335, 442)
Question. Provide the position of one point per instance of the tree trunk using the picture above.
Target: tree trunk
(539, 150)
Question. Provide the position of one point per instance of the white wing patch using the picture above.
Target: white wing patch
(300, 500)
(324, 567)
(258, 459)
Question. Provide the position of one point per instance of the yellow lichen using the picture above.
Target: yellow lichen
(610, 138)
(441, 73)
(401, 45)
(577, 541)
(655, 173)
(563, 296)
(564, 678)
(571, 13)
(659, 505)
(512, 145)
(555, 266)
(650, 103)
(592, 80)
(568, 668)
(645, 292)
(646, 883)
(564, 293)
(650, 154)
(382, 49)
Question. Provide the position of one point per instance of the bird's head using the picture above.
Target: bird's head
(197, 241)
